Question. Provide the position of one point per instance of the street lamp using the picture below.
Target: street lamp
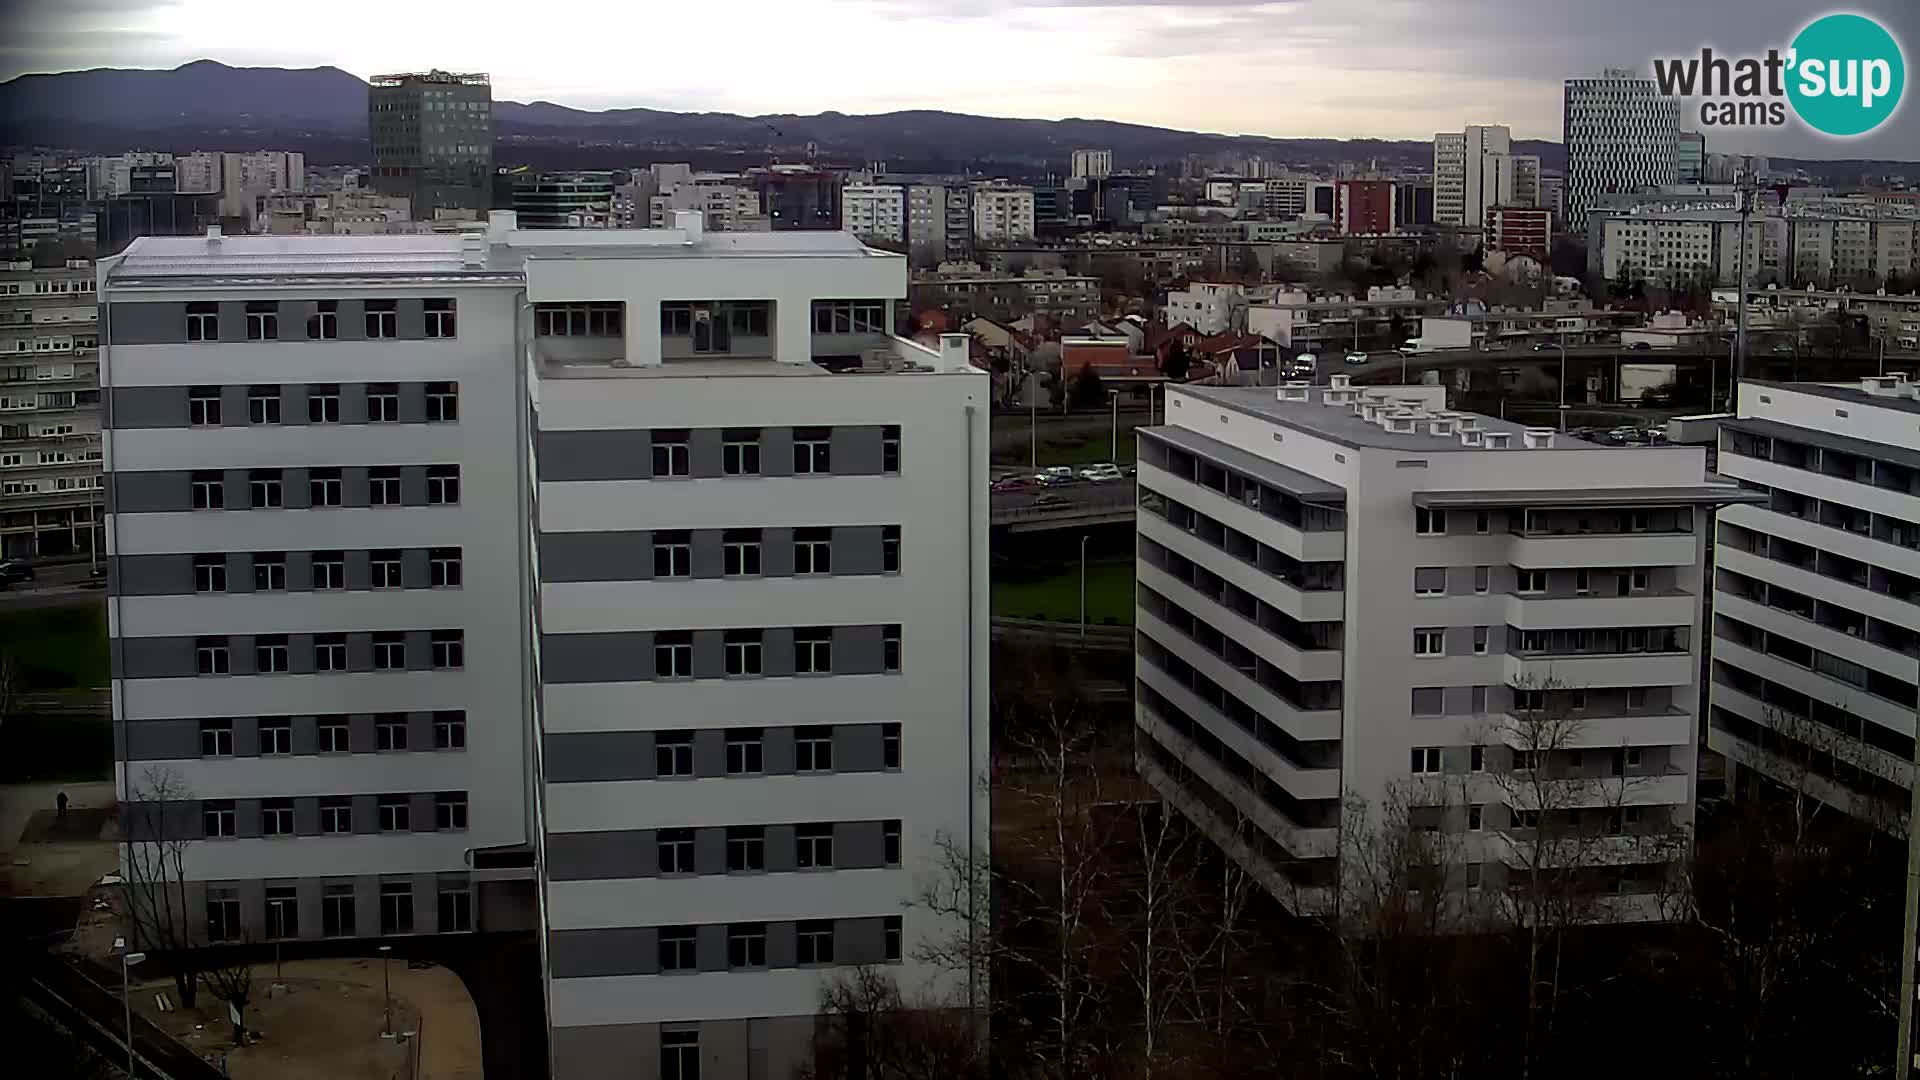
(127, 960)
(1563, 382)
(1033, 423)
(386, 982)
(1083, 586)
(1114, 453)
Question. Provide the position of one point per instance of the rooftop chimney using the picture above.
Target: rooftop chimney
(213, 236)
(473, 248)
(693, 223)
(1535, 438)
(956, 350)
(500, 223)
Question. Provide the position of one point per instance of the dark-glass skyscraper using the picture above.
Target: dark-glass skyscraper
(433, 140)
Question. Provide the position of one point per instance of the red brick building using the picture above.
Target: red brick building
(1364, 206)
(1520, 230)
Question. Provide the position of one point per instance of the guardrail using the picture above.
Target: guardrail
(1080, 503)
(1098, 636)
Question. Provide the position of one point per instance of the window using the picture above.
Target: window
(390, 732)
(443, 402)
(890, 842)
(263, 405)
(336, 910)
(1429, 642)
(744, 752)
(443, 485)
(890, 549)
(449, 730)
(443, 568)
(456, 910)
(850, 317)
(740, 452)
(450, 811)
(336, 815)
(1474, 818)
(330, 652)
(1482, 522)
(890, 448)
(1637, 581)
(676, 950)
(269, 571)
(383, 403)
(384, 568)
(1637, 521)
(276, 734)
(578, 320)
(673, 654)
(324, 487)
(1636, 697)
(223, 915)
(813, 651)
(324, 324)
(396, 907)
(746, 848)
(891, 938)
(203, 406)
(1582, 582)
(283, 909)
(333, 735)
(815, 846)
(323, 403)
(675, 849)
(814, 942)
(449, 649)
(812, 451)
(329, 570)
(813, 749)
(1429, 522)
(813, 551)
(383, 319)
(390, 651)
(747, 945)
(1477, 759)
(209, 491)
(203, 321)
(1522, 761)
(439, 314)
(1532, 582)
(209, 573)
(670, 453)
(743, 652)
(679, 1054)
(889, 746)
(1429, 580)
(673, 753)
(1426, 760)
(395, 815)
(1577, 700)
(210, 656)
(216, 738)
(217, 818)
(672, 554)
(264, 489)
(740, 552)
(1482, 579)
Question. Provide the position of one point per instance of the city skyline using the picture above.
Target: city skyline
(1292, 68)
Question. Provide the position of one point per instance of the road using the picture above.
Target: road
(53, 584)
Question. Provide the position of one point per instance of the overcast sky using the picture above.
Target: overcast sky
(1332, 68)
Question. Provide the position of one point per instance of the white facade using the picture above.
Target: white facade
(1621, 135)
(1093, 164)
(1680, 243)
(1209, 307)
(876, 210)
(49, 412)
(1002, 212)
(1816, 608)
(1476, 169)
(1413, 575)
(726, 202)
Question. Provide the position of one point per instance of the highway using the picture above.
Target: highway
(1083, 504)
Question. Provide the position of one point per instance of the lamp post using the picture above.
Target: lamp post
(1033, 423)
(1113, 454)
(1563, 382)
(1084, 537)
(127, 960)
(386, 983)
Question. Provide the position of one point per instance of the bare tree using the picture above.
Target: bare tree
(9, 685)
(867, 1030)
(157, 838)
(229, 978)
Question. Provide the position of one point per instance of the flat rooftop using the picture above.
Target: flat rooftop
(1340, 424)
(1849, 391)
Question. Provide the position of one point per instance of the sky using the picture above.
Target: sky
(1401, 69)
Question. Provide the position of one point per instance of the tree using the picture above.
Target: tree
(1089, 390)
(157, 837)
(868, 1031)
(229, 978)
(1176, 364)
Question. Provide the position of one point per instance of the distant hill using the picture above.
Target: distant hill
(322, 111)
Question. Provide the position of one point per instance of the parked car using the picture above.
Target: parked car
(1641, 346)
(1013, 484)
(1356, 358)
(13, 572)
(1057, 470)
(1544, 346)
(1101, 473)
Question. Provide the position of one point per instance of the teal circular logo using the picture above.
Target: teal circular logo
(1846, 75)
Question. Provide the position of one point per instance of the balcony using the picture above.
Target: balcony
(1607, 729)
(1306, 546)
(1600, 670)
(1546, 551)
(1526, 612)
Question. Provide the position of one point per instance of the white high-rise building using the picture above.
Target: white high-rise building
(1352, 591)
(874, 210)
(1621, 134)
(50, 486)
(607, 583)
(1093, 164)
(1817, 594)
(1477, 169)
(1002, 212)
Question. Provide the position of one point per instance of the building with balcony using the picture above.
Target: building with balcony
(1355, 592)
(50, 500)
(877, 211)
(643, 620)
(1817, 594)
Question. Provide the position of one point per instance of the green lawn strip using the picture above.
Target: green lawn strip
(57, 648)
(1109, 595)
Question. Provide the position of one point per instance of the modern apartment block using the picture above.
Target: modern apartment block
(432, 135)
(874, 210)
(1476, 169)
(654, 590)
(1621, 134)
(1002, 212)
(1093, 164)
(50, 500)
(1817, 594)
(1355, 591)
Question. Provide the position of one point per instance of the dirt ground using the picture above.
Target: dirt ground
(327, 1021)
(47, 857)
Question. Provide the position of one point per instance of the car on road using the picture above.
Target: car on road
(1543, 346)
(1050, 502)
(1101, 472)
(1782, 347)
(1356, 358)
(13, 572)
(1013, 484)
(1641, 346)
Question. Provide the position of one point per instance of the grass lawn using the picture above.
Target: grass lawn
(1109, 595)
(57, 648)
(1073, 450)
(57, 746)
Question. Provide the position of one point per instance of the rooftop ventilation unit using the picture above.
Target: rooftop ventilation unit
(1499, 440)
(1535, 438)
(1472, 437)
(1293, 391)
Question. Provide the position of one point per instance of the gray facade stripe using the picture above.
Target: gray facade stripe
(776, 451)
(596, 756)
(703, 452)
(856, 451)
(582, 658)
(710, 948)
(596, 556)
(776, 552)
(233, 399)
(856, 549)
(600, 856)
(857, 650)
(604, 756)
(710, 851)
(133, 407)
(780, 850)
(147, 324)
(612, 951)
(158, 740)
(595, 455)
(635, 950)
(150, 492)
